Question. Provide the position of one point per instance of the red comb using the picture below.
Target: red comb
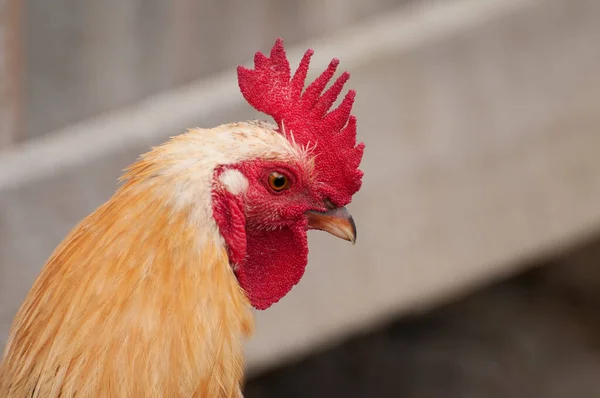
(305, 116)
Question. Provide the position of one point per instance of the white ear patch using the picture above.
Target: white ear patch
(234, 181)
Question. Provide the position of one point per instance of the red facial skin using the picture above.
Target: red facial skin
(270, 253)
(265, 230)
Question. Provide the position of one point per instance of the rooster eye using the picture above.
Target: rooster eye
(278, 182)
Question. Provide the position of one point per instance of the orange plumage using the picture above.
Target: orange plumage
(133, 319)
(151, 295)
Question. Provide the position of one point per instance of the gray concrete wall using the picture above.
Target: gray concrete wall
(481, 122)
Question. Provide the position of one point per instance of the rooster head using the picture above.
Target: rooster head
(271, 183)
(266, 226)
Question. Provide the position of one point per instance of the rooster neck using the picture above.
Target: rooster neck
(140, 300)
(137, 301)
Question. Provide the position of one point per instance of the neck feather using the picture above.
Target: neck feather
(136, 301)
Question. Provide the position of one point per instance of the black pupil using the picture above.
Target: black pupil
(279, 181)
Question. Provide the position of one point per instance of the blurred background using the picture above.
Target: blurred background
(477, 268)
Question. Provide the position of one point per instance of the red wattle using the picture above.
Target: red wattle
(275, 261)
(267, 263)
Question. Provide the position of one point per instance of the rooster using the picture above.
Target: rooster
(151, 295)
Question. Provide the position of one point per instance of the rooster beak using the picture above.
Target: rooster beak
(337, 222)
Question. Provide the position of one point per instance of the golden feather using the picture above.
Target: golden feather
(134, 303)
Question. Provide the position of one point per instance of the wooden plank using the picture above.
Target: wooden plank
(10, 73)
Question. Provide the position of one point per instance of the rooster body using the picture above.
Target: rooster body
(151, 295)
